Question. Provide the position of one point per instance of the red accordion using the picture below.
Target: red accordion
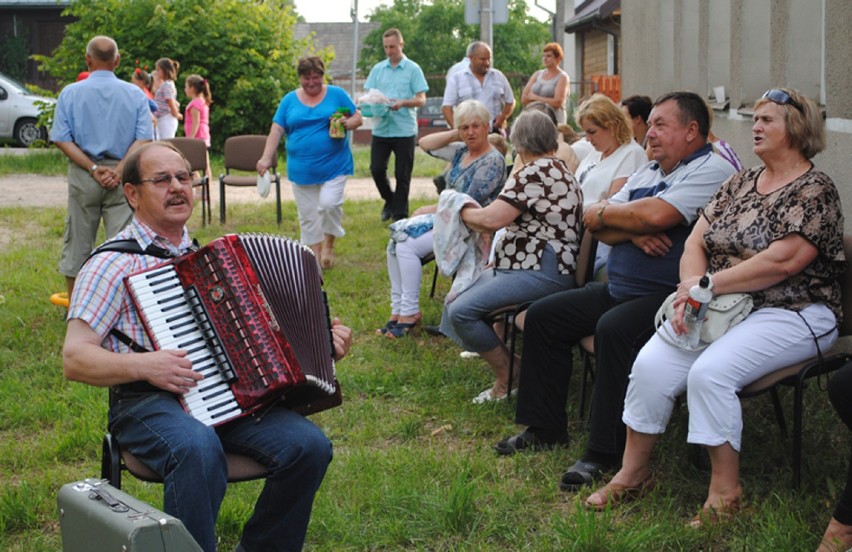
(251, 312)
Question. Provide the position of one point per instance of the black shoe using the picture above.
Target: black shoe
(527, 440)
(440, 183)
(400, 217)
(434, 331)
(583, 474)
(386, 214)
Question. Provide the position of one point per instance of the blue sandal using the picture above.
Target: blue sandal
(400, 329)
(388, 325)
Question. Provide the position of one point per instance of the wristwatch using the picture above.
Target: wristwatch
(92, 169)
(601, 212)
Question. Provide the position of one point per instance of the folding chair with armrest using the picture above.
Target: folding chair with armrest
(242, 154)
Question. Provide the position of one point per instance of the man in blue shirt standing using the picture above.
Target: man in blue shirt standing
(402, 82)
(96, 123)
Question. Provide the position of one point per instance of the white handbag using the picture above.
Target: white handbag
(723, 312)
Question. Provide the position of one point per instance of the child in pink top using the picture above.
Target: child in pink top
(197, 115)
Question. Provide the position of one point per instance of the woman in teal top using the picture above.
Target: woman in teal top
(317, 163)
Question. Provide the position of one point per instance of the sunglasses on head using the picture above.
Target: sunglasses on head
(780, 97)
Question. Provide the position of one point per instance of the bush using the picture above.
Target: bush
(246, 51)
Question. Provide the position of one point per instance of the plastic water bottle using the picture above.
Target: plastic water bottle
(695, 311)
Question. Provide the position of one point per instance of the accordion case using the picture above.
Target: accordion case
(252, 315)
(94, 515)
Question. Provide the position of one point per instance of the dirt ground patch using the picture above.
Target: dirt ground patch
(52, 191)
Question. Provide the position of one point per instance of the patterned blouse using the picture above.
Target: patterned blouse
(481, 179)
(551, 205)
(165, 92)
(744, 222)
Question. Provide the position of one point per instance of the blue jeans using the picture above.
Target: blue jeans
(463, 320)
(191, 459)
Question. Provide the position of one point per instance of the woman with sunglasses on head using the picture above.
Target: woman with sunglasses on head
(775, 232)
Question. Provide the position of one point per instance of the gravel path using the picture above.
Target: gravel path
(52, 191)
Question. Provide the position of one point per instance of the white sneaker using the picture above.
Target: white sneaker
(468, 354)
(488, 396)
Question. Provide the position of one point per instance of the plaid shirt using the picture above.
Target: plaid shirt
(100, 298)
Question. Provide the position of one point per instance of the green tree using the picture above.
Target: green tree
(13, 55)
(244, 48)
(436, 36)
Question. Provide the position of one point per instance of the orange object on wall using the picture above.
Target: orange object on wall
(610, 85)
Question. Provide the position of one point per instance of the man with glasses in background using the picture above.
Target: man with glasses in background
(106, 345)
(97, 122)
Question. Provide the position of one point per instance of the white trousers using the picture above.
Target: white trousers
(405, 270)
(320, 209)
(166, 127)
(767, 340)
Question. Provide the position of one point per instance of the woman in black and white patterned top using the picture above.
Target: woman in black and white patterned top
(541, 208)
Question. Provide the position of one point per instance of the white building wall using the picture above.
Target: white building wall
(748, 46)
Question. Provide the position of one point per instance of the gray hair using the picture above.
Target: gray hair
(534, 133)
(474, 47)
(469, 110)
(103, 49)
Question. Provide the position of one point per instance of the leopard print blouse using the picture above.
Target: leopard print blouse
(744, 222)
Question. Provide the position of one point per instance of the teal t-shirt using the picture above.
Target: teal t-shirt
(402, 82)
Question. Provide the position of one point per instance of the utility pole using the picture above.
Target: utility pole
(355, 51)
(486, 22)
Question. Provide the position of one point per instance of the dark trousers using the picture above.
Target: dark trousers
(403, 152)
(840, 393)
(553, 326)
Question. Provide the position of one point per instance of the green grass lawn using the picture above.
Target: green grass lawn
(413, 466)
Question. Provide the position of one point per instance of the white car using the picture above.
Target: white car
(19, 112)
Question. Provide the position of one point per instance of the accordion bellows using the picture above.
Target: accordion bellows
(251, 312)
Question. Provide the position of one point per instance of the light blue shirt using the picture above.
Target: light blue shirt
(102, 115)
(402, 82)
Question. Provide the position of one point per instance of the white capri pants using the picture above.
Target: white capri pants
(767, 340)
(405, 271)
(320, 209)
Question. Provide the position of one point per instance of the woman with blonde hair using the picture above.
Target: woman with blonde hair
(476, 169)
(617, 155)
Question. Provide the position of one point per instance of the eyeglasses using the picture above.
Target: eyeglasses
(164, 180)
(780, 97)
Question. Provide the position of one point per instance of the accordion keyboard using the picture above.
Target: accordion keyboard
(175, 320)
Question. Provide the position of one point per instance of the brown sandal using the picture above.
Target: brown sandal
(615, 494)
(713, 515)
